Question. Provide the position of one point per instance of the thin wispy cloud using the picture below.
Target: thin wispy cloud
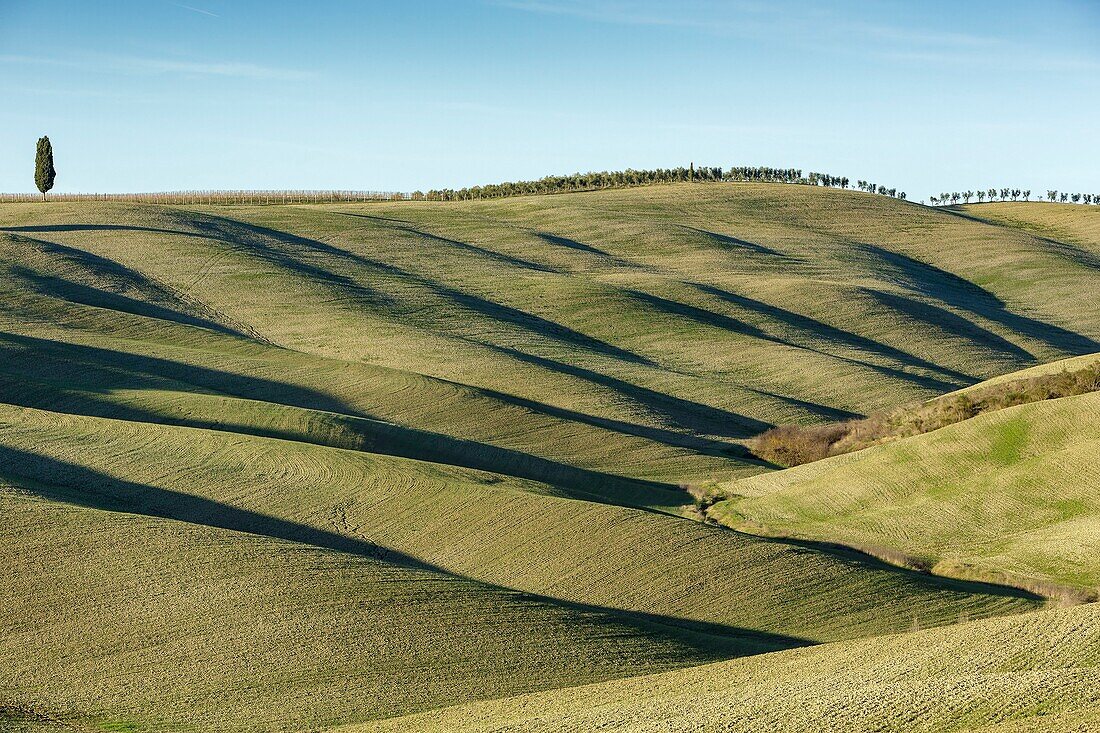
(644, 14)
(200, 68)
(1015, 61)
(136, 65)
(67, 92)
(496, 111)
(735, 16)
(196, 10)
(895, 34)
(816, 28)
(743, 18)
(595, 12)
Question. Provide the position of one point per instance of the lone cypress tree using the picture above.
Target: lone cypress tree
(44, 172)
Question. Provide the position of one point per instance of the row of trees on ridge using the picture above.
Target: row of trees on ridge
(630, 177)
(1011, 194)
(45, 173)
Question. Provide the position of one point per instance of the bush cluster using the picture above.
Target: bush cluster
(793, 445)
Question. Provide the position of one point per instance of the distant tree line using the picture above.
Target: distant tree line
(879, 189)
(238, 197)
(1063, 197)
(45, 173)
(1010, 194)
(630, 177)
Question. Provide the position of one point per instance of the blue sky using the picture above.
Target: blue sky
(212, 94)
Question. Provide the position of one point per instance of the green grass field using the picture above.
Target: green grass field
(304, 467)
(1040, 672)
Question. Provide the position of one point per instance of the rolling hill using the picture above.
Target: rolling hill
(665, 323)
(162, 540)
(300, 467)
(1009, 495)
(1037, 673)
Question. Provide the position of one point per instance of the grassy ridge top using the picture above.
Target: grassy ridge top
(1039, 672)
(1054, 367)
(1052, 221)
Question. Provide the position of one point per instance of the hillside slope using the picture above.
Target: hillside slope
(1039, 672)
(1062, 365)
(1057, 223)
(150, 568)
(707, 309)
(346, 462)
(139, 622)
(1011, 495)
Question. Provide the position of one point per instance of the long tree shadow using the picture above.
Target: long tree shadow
(826, 412)
(56, 287)
(69, 483)
(84, 373)
(1071, 252)
(258, 238)
(737, 244)
(819, 329)
(559, 241)
(855, 558)
(244, 239)
(44, 228)
(946, 320)
(210, 229)
(409, 228)
(728, 323)
(255, 240)
(658, 435)
(78, 364)
(960, 293)
(1066, 250)
(166, 303)
(692, 416)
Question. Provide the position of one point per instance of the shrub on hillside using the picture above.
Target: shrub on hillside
(793, 445)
